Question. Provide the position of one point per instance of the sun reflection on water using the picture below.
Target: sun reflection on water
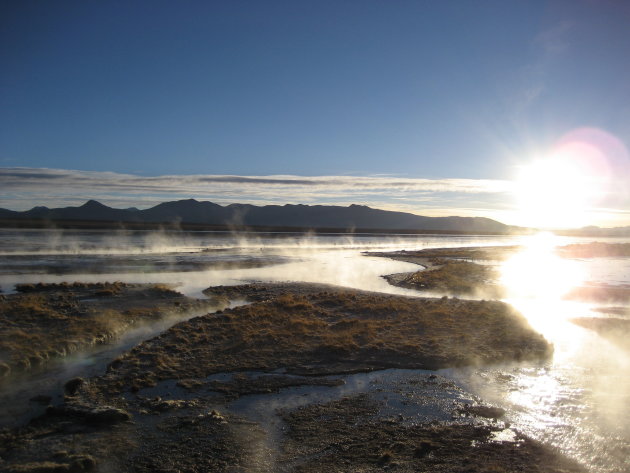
(574, 401)
(537, 272)
(536, 279)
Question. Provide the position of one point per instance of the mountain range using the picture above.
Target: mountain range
(193, 212)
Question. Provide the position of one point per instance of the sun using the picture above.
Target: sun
(561, 189)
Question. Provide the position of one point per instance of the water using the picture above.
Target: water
(196, 260)
(578, 402)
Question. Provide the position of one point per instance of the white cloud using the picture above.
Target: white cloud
(23, 188)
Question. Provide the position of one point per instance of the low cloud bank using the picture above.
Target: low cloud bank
(23, 188)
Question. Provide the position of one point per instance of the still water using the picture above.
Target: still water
(578, 402)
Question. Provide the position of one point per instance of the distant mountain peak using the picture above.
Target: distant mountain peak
(93, 204)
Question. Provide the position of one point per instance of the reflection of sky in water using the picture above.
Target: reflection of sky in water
(333, 259)
(577, 402)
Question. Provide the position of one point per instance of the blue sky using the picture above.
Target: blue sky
(432, 90)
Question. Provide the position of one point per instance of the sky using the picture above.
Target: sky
(433, 107)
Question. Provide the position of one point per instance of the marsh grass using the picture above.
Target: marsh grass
(457, 277)
(337, 331)
(46, 321)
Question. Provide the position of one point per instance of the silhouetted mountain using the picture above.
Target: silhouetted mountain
(186, 211)
(91, 210)
(593, 231)
(191, 211)
(5, 213)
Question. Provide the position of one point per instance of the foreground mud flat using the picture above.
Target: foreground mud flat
(304, 378)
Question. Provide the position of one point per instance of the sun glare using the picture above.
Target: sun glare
(571, 185)
(536, 279)
(560, 190)
(538, 272)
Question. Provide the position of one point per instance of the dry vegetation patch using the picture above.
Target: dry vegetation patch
(455, 277)
(308, 330)
(332, 332)
(45, 321)
(452, 270)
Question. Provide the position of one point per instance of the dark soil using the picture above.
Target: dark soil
(344, 436)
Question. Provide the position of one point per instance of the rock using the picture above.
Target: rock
(488, 412)
(91, 415)
(41, 399)
(40, 467)
(71, 464)
(384, 459)
(190, 384)
(80, 463)
(107, 415)
(217, 416)
(72, 386)
(424, 449)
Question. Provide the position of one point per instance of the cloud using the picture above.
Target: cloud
(553, 41)
(547, 45)
(23, 188)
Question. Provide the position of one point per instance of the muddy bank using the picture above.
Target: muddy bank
(600, 293)
(595, 250)
(394, 420)
(460, 278)
(436, 256)
(623, 312)
(171, 404)
(43, 322)
(614, 329)
(501, 253)
(347, 435)
(332, 331)
(452, 271)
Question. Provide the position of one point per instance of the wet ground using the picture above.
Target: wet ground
(322, 397)
(290, 410)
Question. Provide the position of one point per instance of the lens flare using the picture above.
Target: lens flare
(564, 188)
